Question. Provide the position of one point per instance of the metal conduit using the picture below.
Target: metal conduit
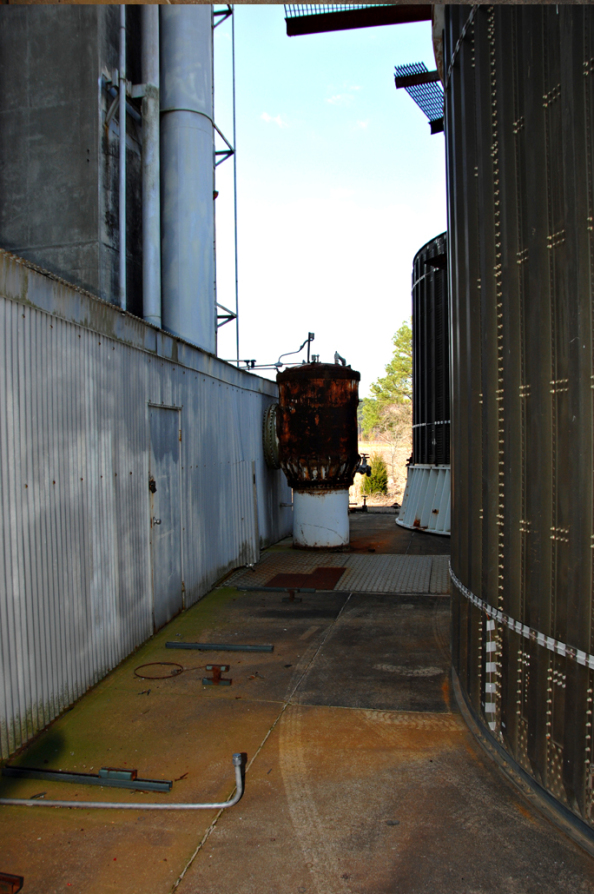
(122, 167)
(187, 174)
(235, 187)
(151, 203)
(134, 805)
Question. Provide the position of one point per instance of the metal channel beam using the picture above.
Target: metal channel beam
(369, 17)
(110, 779)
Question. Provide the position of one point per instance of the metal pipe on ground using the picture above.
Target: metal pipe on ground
(238, 762)
(151, 187)
(219, 647)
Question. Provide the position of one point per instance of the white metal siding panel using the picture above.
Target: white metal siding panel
(426, 501)
(75, 573)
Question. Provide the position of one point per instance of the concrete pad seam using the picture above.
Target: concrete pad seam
(286, 704)
(432, 715)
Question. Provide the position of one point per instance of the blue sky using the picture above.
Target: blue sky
(339, 184)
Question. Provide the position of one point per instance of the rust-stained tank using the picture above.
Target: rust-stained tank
(318, 450)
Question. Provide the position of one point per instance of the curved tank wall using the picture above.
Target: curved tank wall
(519, 141)
(426, 500)
(431, 382)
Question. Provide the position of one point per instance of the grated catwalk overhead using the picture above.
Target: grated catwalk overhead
(316, 18)
(293, 11)
(428, 97)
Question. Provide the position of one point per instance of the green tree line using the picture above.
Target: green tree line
(391, 402)
(386, 416)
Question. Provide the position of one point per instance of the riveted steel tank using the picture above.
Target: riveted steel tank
(318, 449)
(426, 502)
(519, 103)
(431, 362)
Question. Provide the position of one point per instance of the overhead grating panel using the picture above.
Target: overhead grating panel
(312, 9)
(317, 18)
(428, 97)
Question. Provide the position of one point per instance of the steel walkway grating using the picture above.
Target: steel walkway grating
(364, 574)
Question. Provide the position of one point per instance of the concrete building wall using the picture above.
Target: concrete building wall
(58, 160)
(78, 382)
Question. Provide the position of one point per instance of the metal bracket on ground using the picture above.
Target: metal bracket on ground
(107, 776)
(220, 647)
(216, 679)
(278, 589)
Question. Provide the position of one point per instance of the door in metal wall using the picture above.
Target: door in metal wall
(165, 508)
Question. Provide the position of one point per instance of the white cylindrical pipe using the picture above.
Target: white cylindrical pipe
(139, 805)
(122, 170)
(187, 174)
(321, 519)
(151, 199)
(235, 188)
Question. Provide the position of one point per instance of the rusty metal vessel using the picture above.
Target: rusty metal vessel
(317, 433)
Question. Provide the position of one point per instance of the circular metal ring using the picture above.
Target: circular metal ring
(173, 673)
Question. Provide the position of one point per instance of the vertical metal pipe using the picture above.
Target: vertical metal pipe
(187, 174)
(235, 189)
(151, 200)
(122, 170)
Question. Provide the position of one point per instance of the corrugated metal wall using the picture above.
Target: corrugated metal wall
(520, 143)
(76, 380)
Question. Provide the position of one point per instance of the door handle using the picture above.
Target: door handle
(156, 521)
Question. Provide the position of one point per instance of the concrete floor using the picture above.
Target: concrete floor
(362, 778)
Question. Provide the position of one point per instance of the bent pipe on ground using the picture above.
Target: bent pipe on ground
(130, 805)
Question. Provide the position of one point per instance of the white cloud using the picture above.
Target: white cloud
(363, 124)
(277, 119)
(340, 99)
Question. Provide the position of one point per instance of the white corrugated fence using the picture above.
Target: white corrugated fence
(77, 379)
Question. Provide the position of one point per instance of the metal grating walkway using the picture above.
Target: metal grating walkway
(383, 574)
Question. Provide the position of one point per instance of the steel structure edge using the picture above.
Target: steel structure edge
(537, 796)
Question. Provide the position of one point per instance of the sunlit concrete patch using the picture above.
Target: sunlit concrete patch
(173, 728)
(371, 802)
(440, 575)
(388, 574)
(377, 533)
(316, 809)
(364, 780)
(165, 735)
(403, 671)
(363, 574)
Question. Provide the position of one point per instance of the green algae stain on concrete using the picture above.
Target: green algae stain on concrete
(97, 727)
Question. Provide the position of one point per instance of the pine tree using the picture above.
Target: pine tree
(377, 482)
(390, 406)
